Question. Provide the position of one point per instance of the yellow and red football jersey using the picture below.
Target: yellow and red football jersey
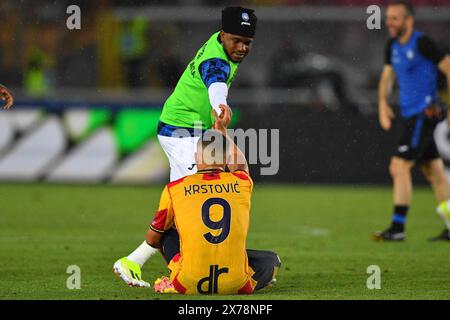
(211, 212)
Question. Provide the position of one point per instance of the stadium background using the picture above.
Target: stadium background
(87, 105)
(87, 101)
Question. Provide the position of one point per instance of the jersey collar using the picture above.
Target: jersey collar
(218, 170)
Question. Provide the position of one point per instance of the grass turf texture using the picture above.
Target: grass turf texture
(322, 235)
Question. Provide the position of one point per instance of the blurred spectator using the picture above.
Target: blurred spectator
(133, 42)
(287, 54)
(39, 76)
(40, 60)
(292, 68)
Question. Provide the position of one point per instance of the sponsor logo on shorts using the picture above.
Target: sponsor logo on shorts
(410, 54)
(403, 148)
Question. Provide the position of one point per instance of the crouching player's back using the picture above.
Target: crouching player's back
(214, 218)
(202, 222)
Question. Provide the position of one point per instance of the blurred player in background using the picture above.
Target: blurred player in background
(203, 87)
(211, 212)
(6, 96)
(414, 59)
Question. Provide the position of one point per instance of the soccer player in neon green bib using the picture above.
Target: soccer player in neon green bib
(202, 88)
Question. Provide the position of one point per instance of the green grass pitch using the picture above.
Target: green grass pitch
(322, 234)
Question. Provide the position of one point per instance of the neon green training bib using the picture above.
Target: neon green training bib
(189, 102)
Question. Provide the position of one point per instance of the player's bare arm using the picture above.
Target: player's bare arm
(222, 120)
(6, 96)
(385, 86)
(236, 159)
(230, 113)
(444, 67)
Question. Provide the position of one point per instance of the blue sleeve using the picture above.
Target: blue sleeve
(214, 70)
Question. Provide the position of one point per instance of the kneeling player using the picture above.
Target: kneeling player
(210, 210)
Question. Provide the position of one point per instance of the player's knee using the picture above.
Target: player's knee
(277, 260)
(438, 178)
(398, 168)
(273, 260)
(269, 265)
(393, 170)
(275, 264)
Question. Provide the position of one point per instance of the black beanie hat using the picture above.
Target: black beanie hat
(239, 21)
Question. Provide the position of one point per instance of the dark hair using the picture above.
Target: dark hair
(405, 3)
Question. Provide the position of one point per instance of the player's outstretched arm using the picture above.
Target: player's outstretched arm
(236, 159)
(7, 96)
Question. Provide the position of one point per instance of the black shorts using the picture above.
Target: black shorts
(265, 264)
(416, 142)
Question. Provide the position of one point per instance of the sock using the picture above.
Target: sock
(142, 253)
(444, 211)
(399, 218)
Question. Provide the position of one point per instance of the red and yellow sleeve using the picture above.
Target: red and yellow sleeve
(163, 219)
(243, 175)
